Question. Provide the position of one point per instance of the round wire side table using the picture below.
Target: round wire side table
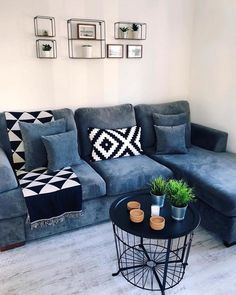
(148, 259)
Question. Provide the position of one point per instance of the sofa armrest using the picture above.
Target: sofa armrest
(208, 138)
(8, 179)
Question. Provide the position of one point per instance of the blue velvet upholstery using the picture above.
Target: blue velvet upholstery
(170, 139)
(7, 177)
(120, 116)
(144, 116)
(13, 214)
(209, 138)
(62, 150)
(129, 174)
(35, 152)
(93, 185)
(213, 175)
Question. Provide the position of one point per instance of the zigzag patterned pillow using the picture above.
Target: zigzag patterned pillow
(115, 143)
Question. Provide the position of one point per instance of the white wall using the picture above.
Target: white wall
(213, 66)
(30, 83)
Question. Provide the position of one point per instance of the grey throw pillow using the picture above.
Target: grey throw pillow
(35, 153)
(62, 150)
(174, 120)
(170, 139)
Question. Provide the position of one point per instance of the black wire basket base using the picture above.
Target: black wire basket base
(154, 265)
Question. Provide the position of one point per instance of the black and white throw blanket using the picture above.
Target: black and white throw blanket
(49, 196)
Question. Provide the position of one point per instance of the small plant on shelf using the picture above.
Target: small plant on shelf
(46, 50)
(46, 47)
(45, 33)
(158, 190)
(135, 27)
(124, 31)
(135, 30)
(179, 195)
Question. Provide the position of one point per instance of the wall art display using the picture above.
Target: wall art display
(130, 30)
(115, 51)
(86, 31)
(86, 38)
(134, 51)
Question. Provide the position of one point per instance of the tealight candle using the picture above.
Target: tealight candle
(155, 210)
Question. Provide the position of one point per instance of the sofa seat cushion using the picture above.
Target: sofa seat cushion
(213, 175)
(92, 184)
(129, 174)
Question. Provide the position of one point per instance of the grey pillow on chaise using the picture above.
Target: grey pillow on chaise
(174, 120)
(170, 139)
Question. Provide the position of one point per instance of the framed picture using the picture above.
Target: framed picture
(134, 51)
(86, 31)
(115, 51)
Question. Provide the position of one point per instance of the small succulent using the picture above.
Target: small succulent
(124, 29)
(45, 33)
(46, 47)
(135, 27)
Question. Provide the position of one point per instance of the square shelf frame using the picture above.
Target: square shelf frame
(143, 27)
(39, 50)
(73, 38)
(52, 26)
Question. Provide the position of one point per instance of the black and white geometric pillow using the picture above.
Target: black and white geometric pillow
(14, 133)
(115, 143)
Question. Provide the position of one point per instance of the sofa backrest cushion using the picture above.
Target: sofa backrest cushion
(119, 116)
(144, 117)
(67, 114)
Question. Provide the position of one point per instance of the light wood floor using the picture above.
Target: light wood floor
(81, 262)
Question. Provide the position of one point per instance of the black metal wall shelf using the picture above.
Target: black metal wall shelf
(44, 26)
(86, 38)
(140, 34)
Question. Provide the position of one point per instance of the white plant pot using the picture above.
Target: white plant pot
(135, 34)
(46, 53)
(124, 35)
(87, 51)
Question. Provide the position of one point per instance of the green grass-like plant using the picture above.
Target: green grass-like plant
(158, 186)
(179, 193)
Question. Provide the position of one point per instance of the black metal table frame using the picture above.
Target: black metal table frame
(154, 265)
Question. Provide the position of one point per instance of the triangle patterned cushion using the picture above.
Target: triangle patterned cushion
(14, 133)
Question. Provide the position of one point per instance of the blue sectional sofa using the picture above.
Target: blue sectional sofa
(207, 167)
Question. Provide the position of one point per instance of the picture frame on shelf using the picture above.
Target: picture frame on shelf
(115, 51)
(134, 51)
(86, 31)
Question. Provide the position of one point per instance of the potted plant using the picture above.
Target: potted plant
(45, 33)
(87, 51)
(158, 190)
(179, 195)
(135, 31)
(46, 50)
(124, 32)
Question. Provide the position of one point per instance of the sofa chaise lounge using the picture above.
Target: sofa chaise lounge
(207, 167)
